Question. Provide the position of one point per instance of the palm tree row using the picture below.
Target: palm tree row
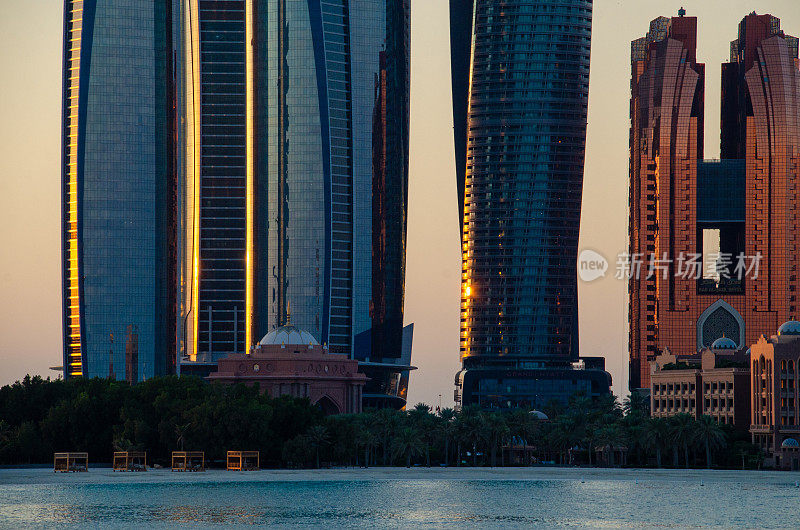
(585, 432)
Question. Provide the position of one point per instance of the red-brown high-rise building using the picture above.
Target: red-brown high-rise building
(712, 243)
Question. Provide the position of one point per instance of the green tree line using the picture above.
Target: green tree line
(39, 417)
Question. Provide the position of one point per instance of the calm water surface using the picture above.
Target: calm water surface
(402, 499)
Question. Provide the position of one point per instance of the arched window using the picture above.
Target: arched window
(720, 319)
(328, 406)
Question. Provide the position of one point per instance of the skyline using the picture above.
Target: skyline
(29, 267)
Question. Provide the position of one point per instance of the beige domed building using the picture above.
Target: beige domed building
(714, 382)
(775, 423)
(290, 361)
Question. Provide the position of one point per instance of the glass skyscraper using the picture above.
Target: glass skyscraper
(118, 189)
(295, 197)
(520, 89)
(216, 234)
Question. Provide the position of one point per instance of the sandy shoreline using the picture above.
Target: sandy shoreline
(159, 476)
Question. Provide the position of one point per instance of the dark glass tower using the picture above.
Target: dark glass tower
(296, 179)
(333, 138)
(520, 130)
(217, 233)
(118, 189)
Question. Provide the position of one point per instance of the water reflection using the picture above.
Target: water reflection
(205, 514)
(672, 499)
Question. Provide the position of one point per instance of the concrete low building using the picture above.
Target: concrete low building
(290, 361)
(714, 382)
(775, 424)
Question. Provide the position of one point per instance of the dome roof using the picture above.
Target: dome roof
(539, 415)
(791, 327)
(790, 442)
(724, 343)
(289, 335)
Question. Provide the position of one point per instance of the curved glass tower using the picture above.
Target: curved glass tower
(297, 176)
(334, 132)
(520, 91)
(118, 191)
(337, 99)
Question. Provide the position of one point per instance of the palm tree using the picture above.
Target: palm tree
(580, 405)
(471, 428)
(682, 432)
(608, 408)
(422, 421)
(635, 403)
(496, 430)
(317, 438)
(368, 440)
(655, 436)
(709, 434)
(386, 422)
(587, 434)
(407, 444)
(523, 424)
(559, 440)
(446, 428)
(611, 436)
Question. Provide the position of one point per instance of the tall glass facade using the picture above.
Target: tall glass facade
(118, 189)
(520, 92)
(337, 95)
(306, 119)
(216, 235)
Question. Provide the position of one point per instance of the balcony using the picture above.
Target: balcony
(760, 429)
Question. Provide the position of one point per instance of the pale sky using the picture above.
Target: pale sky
(30, 283)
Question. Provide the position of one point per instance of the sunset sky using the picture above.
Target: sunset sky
(30, 312)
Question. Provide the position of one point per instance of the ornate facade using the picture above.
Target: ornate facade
(682, 206)
(291, 362)
(775, 411)
(714, 382)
